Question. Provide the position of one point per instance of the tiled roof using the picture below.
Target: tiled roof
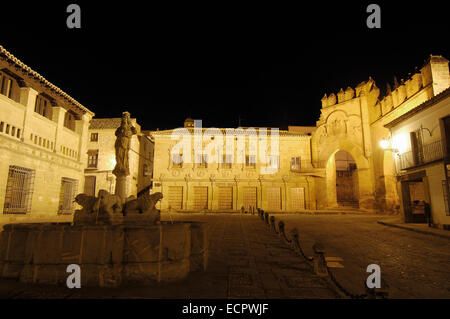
(107, 123)
(420, 107)
(26, 70)
(223, 131)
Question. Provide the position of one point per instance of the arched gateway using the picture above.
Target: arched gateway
(343, 128)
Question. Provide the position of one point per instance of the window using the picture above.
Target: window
(94, 137)
(8, 85)
(202, 160)
(43, 107)
(19, 190)
(69, 120)
(69, 188)
(250, 161)
(146, 171)
(227, 161)
(92, 158)
(295, 163)
(177, 160)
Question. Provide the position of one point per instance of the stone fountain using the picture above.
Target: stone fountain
(115, 239)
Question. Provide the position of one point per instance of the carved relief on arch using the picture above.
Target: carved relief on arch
(337, 124)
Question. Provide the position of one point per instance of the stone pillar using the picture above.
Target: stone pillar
(28, 99)
(82, 128)
(121, 187)
(58, 116)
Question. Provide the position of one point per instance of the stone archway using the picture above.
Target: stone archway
(366, 198)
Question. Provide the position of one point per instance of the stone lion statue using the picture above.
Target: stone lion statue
(101, 209)
(110, 203)
(145, 205)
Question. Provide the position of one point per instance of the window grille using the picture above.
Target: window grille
(19, 190)
(69, 188)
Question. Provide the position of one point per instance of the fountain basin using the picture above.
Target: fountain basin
(108, 255)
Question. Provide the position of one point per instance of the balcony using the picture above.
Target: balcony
(306, 166)
(428, 153)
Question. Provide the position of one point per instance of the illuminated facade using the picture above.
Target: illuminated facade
(350, 127)
(100, 161)
(355, 121)
(43, 139)
(420, 140)
(232, 186)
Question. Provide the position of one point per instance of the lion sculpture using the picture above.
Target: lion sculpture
(145, 205)
(102, 209)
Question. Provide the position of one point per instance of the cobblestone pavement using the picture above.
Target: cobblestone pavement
(246, 260)
(414, 265)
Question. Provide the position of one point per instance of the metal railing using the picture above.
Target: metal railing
(427, 153)
(305, 165)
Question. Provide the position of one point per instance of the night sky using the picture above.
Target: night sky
(268, 64)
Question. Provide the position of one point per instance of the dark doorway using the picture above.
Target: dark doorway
(347, 192)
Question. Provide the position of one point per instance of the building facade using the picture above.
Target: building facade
(233, 185)
(353, 121)
(338, 162)
(419, 142)
(43, 140)
(101, 160)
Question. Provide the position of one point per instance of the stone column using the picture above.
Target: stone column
(58, 117)
(28, 99)
(121, 187)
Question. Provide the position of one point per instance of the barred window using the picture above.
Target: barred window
(250, 161)
(227, 161)
(92, 158)
(202, 160)
(69, 188)
(177, 160)
(295, 163)
(94, 137)
(19, 190)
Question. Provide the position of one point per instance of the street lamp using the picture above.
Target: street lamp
(385, 145)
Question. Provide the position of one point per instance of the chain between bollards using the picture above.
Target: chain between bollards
(319, 261)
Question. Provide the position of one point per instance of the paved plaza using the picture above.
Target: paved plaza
(247, 260)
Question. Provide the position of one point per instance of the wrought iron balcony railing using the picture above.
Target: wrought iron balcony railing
(426, 154)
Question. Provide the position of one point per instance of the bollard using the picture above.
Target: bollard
(266, 218)
(272, 224)
(320, 264)
(282, 233)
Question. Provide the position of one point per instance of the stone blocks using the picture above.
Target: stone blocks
(108, 255)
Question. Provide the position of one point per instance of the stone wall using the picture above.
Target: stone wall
(107, 255)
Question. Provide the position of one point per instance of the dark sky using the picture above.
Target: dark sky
(268, 63)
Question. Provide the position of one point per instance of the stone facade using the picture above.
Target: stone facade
(421, 166)
(43, 137)
(354, 121)
(219, 187)
(102, 160)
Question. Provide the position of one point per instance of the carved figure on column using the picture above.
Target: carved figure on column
(123, 133)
